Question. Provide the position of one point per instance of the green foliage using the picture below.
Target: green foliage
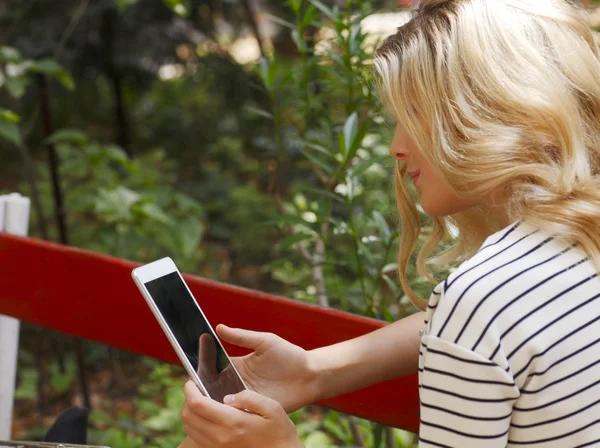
(17, 74)
(123, 207)
(333, 429)
(155, 422)
(264, 187)
(336, 212)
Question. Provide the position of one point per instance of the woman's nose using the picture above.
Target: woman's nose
(398, 154)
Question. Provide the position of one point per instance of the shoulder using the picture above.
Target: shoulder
(469, 309)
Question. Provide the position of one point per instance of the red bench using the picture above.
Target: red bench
(92, 296)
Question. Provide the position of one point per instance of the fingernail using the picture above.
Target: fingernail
(229, 399)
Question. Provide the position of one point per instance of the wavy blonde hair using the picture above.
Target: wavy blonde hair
(499, 95)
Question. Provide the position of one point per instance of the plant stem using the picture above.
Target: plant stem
(359, 440)
(359, 265)
(61, 219)
(390, 440)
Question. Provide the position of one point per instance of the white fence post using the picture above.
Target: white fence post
(14, 219)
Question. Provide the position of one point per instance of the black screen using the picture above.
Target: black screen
(193, 334)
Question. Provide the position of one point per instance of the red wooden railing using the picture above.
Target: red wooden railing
(92, 296)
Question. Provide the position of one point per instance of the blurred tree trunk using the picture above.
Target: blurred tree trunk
(108, 32)
(251, 14)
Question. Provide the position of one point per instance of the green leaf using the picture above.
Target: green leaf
(325, 10)
(295, 5)
(286, 219)
(116, 153)
(350, 131)
(174, 397)
(307, 427)
(325, 193)
(52, 68)
(268, 72)
(27, 389)
(123, 4)
(358, 139)
(74, 136)
(393, 286)
(294, 239)
(65, 79)
(165, 420)
(16, 86)
(299, 41)
(280, 21)
(388, 316)
(358, 169)
(61, 382)
(318, 439)
(390, 267)
(272, 73)
(382, 225)
(310, 16)
(9, 115)
(259, 112)
(10, 131)
(336, 427)
(319, 148)
(320, 163)
(191, 233)
(155, 213)
(177, 7)
(10, 55)
(355, 39)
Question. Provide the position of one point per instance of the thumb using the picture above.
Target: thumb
(242, 338)
(251, 401)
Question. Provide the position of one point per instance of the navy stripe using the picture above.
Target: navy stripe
(464, 434)
(548, 325)
(464, 397)
(591, 344)
(471, 380)
(564, 338)
(554, 420)
(470, 361)
(487, 274)
(511, 230)
(504, 283)
(558, 400)
(490, 258)
(536, 309)
(588, 443)
(562, 436)
(470, 417)
(516, 299)
(552, 383)
(434, 443)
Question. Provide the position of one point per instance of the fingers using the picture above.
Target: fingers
(205, 407)
(207, 357)
(255, 403)
(243, 338)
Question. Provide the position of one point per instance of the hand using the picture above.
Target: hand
(276, 369)
(248, 420)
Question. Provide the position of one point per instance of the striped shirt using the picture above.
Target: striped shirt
(510, 353)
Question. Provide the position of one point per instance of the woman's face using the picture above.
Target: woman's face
(434, 196)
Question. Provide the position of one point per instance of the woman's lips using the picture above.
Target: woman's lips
(415, 176)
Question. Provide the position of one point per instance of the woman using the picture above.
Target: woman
(498, 111)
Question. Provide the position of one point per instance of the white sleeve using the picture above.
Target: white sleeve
(466, 400)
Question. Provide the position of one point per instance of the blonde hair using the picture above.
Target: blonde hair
(499, 95)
